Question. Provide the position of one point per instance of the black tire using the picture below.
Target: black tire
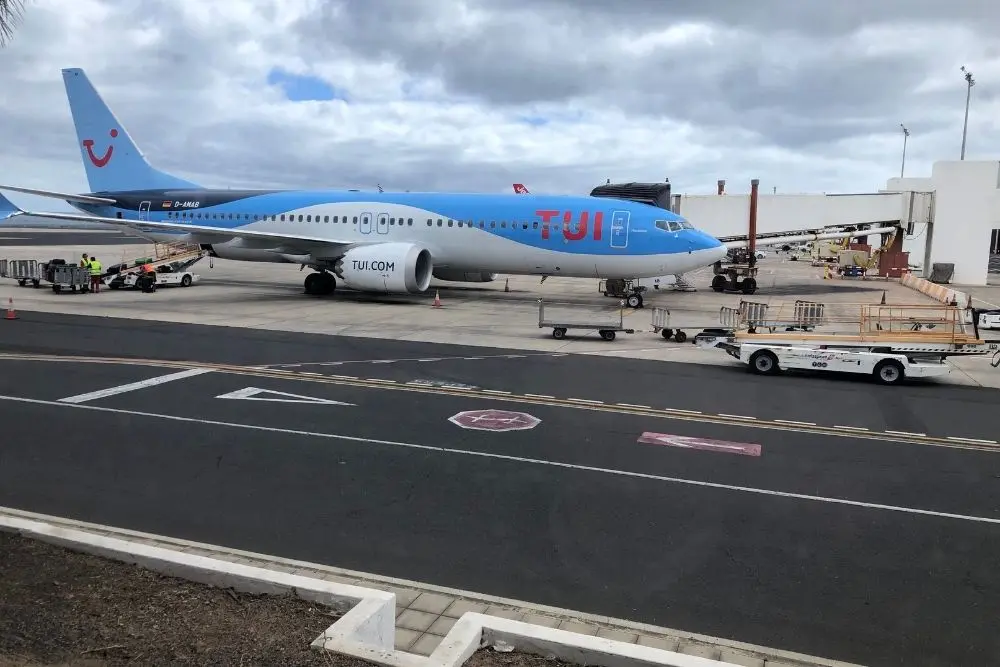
(667, 333)
(719, 283)
(634, 301)
(558, 333)
(749, 286)
(607, 335)
(680, 337)
(764, 362)
(889, 372)
(186, 281)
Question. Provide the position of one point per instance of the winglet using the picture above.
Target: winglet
(7, 208)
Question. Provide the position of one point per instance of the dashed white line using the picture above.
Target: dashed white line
(429, 359)
(384, 361)
(914, 435)
(790, 421)
(494, 391)
(852, 428)
(344, 377)
(737, 416)
(633, 405)
(977, 440)
(584, 400)
(690, 412)
(132, 386)
(539, 396)
(379, 380)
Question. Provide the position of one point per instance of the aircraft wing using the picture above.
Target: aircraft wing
(82, 199)
(761, 241)
(204, 233)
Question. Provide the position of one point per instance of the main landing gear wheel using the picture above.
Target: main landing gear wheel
(320, 283)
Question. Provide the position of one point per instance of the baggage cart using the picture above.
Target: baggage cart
(605, 328)
(661, 325)
(76, 278)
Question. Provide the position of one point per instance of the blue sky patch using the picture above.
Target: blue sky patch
(536, 121)
(303, 88)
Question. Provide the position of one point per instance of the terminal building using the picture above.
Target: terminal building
(951, 219)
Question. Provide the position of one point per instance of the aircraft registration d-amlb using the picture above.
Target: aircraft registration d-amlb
(388, 242)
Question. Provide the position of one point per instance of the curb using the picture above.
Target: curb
(367, 630)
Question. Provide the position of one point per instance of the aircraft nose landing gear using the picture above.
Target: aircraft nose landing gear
(320, 283)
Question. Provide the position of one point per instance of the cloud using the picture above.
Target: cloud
(476, 95)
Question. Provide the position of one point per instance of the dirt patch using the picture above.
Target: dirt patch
(60, 607)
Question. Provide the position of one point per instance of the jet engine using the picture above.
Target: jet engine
(458, 276)
(386, 267)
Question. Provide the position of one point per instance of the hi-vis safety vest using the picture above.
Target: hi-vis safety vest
(95, 267)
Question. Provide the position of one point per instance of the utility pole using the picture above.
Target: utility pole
(906, 133)
(970, 82)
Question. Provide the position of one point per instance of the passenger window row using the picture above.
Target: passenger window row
(191, 215)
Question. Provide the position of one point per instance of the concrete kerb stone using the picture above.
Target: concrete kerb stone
(367, 628)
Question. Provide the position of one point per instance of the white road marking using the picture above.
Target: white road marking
(690, 412)
(916, 435)
(789, 421)
(852, 428)
(518, 459)
(539, 396)
(585, 400)
(985, 442)
(630, 405)
(494, 391)
(736, 416)
(133, 386)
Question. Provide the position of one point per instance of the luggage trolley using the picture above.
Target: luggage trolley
(661, 325)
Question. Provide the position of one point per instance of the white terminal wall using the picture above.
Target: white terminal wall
(951, 214)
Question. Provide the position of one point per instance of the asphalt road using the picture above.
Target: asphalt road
(864, 550)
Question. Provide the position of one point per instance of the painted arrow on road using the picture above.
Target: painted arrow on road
(746, 449)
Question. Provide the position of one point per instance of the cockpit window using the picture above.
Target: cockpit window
(673, 225)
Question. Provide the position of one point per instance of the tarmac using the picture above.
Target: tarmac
(638, 479)
(800, 518)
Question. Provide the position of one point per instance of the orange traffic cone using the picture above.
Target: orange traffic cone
(437, 299)
(11, 313)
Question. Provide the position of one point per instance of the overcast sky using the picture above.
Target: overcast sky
(474, 95)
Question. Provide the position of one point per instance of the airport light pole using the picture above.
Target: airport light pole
(906, 134)
(969, 83)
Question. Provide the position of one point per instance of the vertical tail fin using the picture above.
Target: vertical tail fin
(110, 157)
(7, 208)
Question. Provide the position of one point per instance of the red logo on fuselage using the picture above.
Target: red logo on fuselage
(570, 234)
(104, 159)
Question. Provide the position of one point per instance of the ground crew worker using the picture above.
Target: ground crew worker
(95, 274)
(84, 263)
(148, 277)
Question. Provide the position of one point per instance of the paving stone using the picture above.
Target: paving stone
(740, 658)
(659, 641)
(459, 607)
(442, 626)
(700, 650)
(432, 603)
(411, 619)
(425, 645)
(576, 626)
(545, 621)
(404, 598)
(618, 635)
(405, 638)
(505, 612)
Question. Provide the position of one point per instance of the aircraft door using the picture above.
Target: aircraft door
(366, 223)
(383, 223)
(619, 229)
(144, 210)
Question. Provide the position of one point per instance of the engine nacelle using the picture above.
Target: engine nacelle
(386, 267)
(458, 276)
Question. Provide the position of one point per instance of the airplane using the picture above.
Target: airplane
(385, 242)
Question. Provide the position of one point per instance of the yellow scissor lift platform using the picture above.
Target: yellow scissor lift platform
(889, 342)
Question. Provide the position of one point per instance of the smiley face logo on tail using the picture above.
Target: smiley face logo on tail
(104, 159)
